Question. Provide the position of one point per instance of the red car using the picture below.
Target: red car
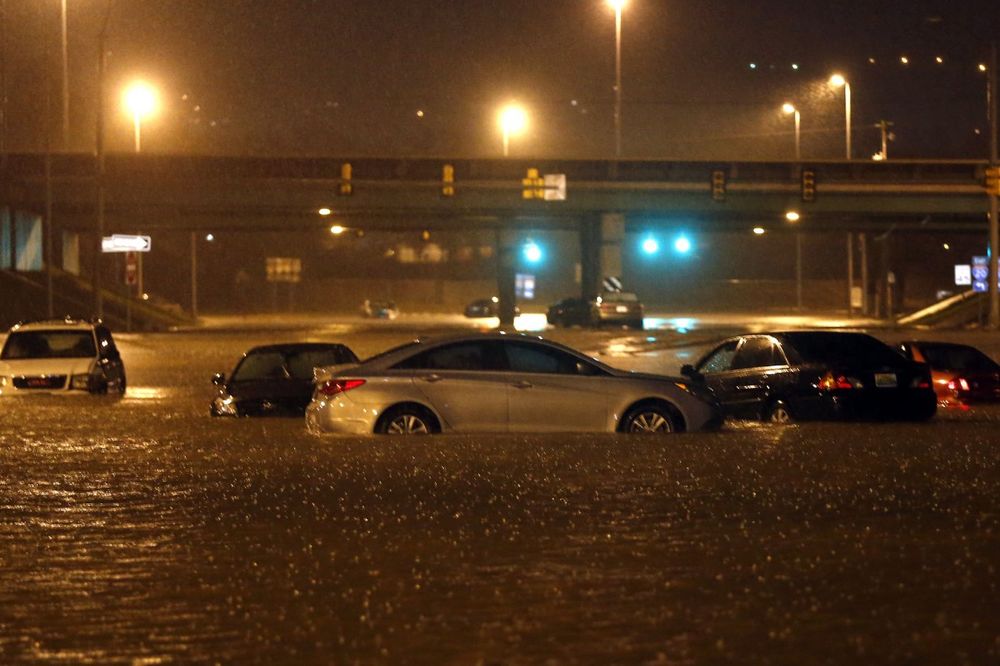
(961, 374)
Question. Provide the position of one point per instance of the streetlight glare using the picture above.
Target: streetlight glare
(650, 246)
(513, 119)
(324, 211)
(792, 216)
(838, 80)
(336, 230)
(617, 5)
(788, 108)
(532, 252)
(140, 99)
(759, 231)
(682, 244)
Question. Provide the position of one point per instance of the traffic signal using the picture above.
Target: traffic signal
(808, 185)
(346, 186)
(534, 185)
(993, 181)
(448, 180)
(718, 185)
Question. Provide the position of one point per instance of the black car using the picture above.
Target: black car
(621, 308)
(275, 380)
(486, 307)
(787, 376)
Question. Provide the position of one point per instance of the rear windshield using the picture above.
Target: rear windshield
(843, 348)
(49, 344)
(955, 357)
(619, 297)
(301, 363)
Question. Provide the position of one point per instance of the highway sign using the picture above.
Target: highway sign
(126, 243)
(283, 269)
(555, 187)
(980, 286)
(963, 275)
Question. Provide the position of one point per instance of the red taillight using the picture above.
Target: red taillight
(958, 384)
(829, 382)
(332, 387)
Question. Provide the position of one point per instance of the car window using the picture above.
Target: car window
(456, 356)
(719, 360)
(527, 357)
(301, 363)
(956, 357)
(852, 349)
(261, 365)
(106, 342)
(758, 353)
(619, 297)
(49, 344)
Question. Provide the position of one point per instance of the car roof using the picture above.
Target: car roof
(53, 325)
(927, 343)
(414, 346)
(296, 346)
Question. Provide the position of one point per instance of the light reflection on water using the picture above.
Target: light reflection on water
(143, 531)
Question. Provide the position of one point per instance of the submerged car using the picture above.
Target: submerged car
(501, 383)
(61, 356)
(962, 375)
(621, 308)
(486, 307)
(275, 380)
(380, 309)
(799, 375)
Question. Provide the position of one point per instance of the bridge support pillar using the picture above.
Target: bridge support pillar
(506, 243)
(600, 251)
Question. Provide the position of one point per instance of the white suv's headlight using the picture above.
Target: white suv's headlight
(3, 381)
(80, 382)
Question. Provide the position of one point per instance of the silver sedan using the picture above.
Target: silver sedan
(501, 383)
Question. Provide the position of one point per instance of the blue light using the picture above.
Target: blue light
(682, 244)
(532, 252)
(650, 246)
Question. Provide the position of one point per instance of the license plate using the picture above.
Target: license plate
(885, 380)
(621, 308)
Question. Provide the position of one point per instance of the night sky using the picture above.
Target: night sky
(348, 77)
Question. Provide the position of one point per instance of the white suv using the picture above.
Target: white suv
(62, 355)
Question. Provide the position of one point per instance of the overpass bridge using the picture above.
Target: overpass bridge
(603, 199)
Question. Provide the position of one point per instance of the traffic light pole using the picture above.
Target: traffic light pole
(994, 321)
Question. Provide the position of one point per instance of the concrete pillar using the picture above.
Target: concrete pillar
(506, 242)
(612, 237)
(590, 274)
(71, 252)
(865, 288)
(850, 274)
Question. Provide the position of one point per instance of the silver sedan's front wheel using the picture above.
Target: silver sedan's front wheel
(651, 419)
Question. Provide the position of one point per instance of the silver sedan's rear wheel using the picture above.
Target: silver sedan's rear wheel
(407, 420)
(651, 419)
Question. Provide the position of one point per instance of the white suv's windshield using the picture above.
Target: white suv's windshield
(49, 344)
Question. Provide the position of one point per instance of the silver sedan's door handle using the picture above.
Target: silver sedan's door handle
(432, 378)
(522, 385)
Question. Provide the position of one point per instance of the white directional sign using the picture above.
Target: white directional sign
(963, 275)
(555, 187)
(126, 243)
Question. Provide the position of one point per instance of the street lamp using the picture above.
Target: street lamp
(513, 121)
(789, 109)
(618, 6)
(838, 81)
(140, 100)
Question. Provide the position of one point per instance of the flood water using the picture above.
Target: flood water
(141, 531)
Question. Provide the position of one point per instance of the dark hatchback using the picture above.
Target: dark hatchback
(275, 380)
(805, 375)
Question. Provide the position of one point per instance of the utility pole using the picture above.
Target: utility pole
(991, 96)
(884, 126)
(65, 82)
(102, 63)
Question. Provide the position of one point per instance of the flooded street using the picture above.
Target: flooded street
(141, 531)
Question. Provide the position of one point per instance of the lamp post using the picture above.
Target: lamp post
(618, 6)
(513, 121)
(65, 81)
(789, 109)
(838, 81)
(793, 217)
(140, 101)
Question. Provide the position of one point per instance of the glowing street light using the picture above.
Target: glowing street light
(140, 101)
(759, 231)
(618, 6)
(336, 230)
(532, 252)
(682, 245)
(513, 121)
(838, 81)
(650, 245)
(793, 216)
(789, 109)
(324, 212)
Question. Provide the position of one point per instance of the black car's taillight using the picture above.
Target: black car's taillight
(332, 387)
(831, 382)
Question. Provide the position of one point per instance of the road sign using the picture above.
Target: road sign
(284, 269)
(612, 283)
(980, 286)
(131, 268)
(126, 243)
(963, 275)
(555, 187)
(524, 286)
